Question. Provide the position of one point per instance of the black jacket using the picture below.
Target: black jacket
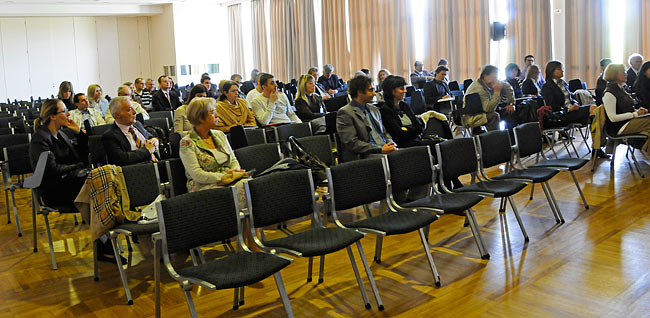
(434, 90)
(631, 77)
(307, 112)
(404, 136)
(529, 88)
(159, 102)
(118, 148)
(553, 95)
(601, 85)
(642, 91)
(247, 86)
(331, 83)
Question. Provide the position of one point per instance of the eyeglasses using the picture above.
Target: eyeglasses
(65, 111)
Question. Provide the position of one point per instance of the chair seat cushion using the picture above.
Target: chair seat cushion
(568, 163)
(532, 174)
(454, 203)
(139, 229)
(316, 242)
(396, 222)
(237, 270)
(497, 188)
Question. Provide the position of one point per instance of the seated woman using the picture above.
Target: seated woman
(308, 105)
(642, 85)
(622, 118)
(181, 124)
(95, 98)
(531, 85)
(206, 154)
(512, 73)
(65, 95)
(233, 110)
(556, 94)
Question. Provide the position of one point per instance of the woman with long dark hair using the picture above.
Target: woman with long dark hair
(557, 95)
(66, 94)
(231, 109)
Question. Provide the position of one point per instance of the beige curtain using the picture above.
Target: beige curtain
(306, 36)
(284, 49)
(260, 48)
(364, 35)
(587, 39)
(644, 34)
(396, 46)
(335, 46)
(236, 43)
(637, 29)
(459, 31)
(529, 31)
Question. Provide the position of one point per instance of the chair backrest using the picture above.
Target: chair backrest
(320, 146)
(255, 136)
(101, 129)
(357, 182)
(335, 103)
(410, 90)
(237, 137)
(453, 86)
(96, 151)
(282, 133)
(418, 105)
(198, 218)
(575, 84)
(9, 140)
(4, 121)
(159, 122)
(410, 167)
(330, 123)
(280, 197)
(6, 131)
(456, 157)
(528, 138)
(495, 147)
(177, 178)
(17, 159)
(175, 143)
(163, 114)
(142, 183)
(258, 157)
(467, 83)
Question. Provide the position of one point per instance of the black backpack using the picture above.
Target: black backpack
(164, 147)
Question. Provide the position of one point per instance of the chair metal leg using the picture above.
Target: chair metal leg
(156, 273)
(321, 269)
(309, 268)
(532, 191)
(550, 203)
(119, 245)
(187, 290)
(521, 224)
(476, 231)
(574, 149)
(128, 244)
(593, 160)
(366, 209)
(611, 163)
(378, 244)
(35, 207)
(96, 260)
(120, 267)
(371, 279)
(502, 205)
(241, 296)
(283, 294)
(575, 180)
(49, 239)
(195, 261)
(557, 207)
(636, 164)
(434, 270)
(13, 200)
(74, 217)
(7, 199)
(356, 274)
(235, 305)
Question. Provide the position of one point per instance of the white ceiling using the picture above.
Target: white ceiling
(19, 8)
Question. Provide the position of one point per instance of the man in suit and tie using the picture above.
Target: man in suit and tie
(248, 86)
(127, 142)
(359, 123)
(420, 75)
(635, 60)
(165, 98)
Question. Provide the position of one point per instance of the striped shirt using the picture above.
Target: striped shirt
(143, 99)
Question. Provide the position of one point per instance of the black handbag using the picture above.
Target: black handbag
(555, 119)
(317, 166)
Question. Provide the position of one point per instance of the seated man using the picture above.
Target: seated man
(127, 142)
(635, 60)
(250, 85)
(206, 81)
(359, 123)
(601, 84)
(83, 112)
(492, 91)
(126, 91)
(256, 91)
(437, 89)
(420, 75)
(330, 81)
(165, 98)
(272, 107)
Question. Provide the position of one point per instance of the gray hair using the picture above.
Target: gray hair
(328, 68)
(360, 73)
(198, 109)
(116, 103)
(313, 69)
(635, 55)
(122, 88)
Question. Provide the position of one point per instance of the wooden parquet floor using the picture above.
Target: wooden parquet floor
(595, 265)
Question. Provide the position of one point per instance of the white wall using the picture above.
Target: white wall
(38, 53)
(162, 45)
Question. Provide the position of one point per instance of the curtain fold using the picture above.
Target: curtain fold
(284, 51)
(529, 31)
(260, 47)
(236, 42)
(306, 36)
(364, 36)
(335, 46)
(396, 47)
(587, 39)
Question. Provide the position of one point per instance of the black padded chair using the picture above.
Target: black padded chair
(6, 131)
(101, 129)
(320, 146)
(177, 178)
(163, 123)
(174, 143)
(199, 218)
(413, 167)
(255, 136)
(494, 148)
(335, 103)
(528, 139)
(361, 182)
(418, 104)
(297, 130)
(574, 85)
(466, 84)
(258, 157)
(292, 192)
(17, 164)
(163, 114)
(471, 106)
(96, 152)
(632, 141)
(457, 157)
(143, 185)
(5, 141)
(453, 86)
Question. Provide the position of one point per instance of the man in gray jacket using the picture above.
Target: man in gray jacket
(359, 123)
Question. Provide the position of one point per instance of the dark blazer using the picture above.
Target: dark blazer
(516, 87)
(434, 90)
(404, 136)
(247, 86)
(553, 95)
(601, 85)
(331, 83)
(118, 148)
(528, 87)
(631, 77)
(159, 102)
(642, 91)
(307, 112)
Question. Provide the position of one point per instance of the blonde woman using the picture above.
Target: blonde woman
(95, 98)
(381, 75)
(231, 109)
(308, 105)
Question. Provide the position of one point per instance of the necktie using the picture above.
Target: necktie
(139, 143)
(375, 127)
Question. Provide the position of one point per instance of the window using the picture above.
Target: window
(213, 68)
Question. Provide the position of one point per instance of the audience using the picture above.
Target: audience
(622, 118)
(249, 85)
(420, 75)
(601, 83)
(271, 106)
(381, 75)
(181, 124)
(95, 98)
(254, 92)
(532, 85)
(438, 88)
(126, 92)
(141, 95)
(398, 118)
(165, 98)
(635, 60)
(512, 77)
(150, 86)
(206, 81)
(492, 91)
(206, 155)
(233, 110)
(313, 71)
(65, 94)
(237, 79)
(308, 104)
(556, 94)
(444, 62)
(642, 85)
(329, 81)
(127, 142)
(82, 112)
(529, 61)
(359, 123)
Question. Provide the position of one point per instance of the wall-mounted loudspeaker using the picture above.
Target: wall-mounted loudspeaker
(498, 31)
